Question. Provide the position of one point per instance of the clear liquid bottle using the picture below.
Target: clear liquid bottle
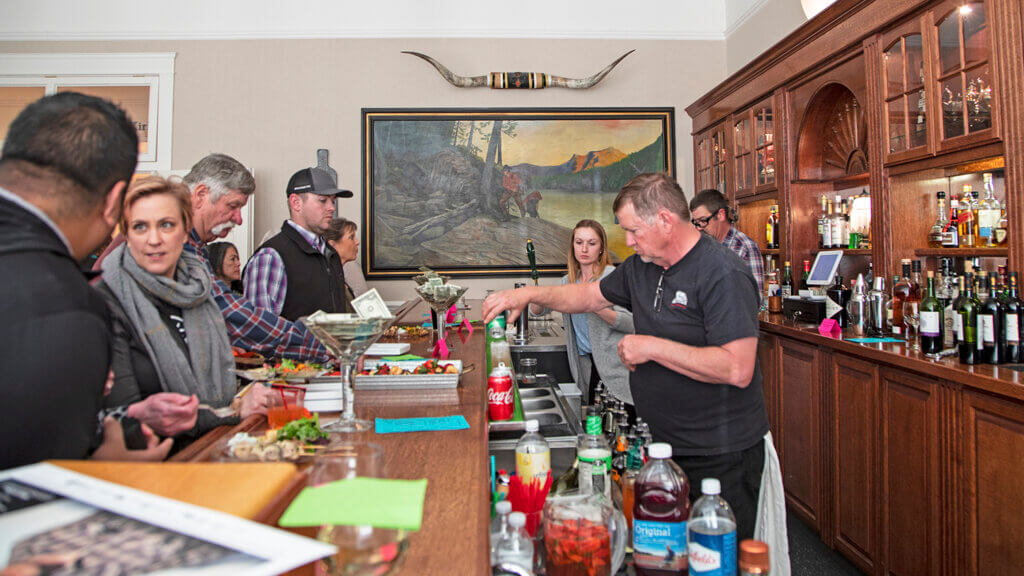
(533, 455)
(499, 527)
(938, 230)
(595, 457)
(661, 508)
(711, 533)
(515, 547)
(989, 213)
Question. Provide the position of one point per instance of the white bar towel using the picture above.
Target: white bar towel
(771, 511)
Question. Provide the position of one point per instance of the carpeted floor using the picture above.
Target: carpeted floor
(808, 555)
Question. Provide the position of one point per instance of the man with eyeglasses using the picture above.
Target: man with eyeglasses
(695, 377)
(711, 214)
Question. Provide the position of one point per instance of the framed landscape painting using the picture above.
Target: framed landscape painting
(461, 190)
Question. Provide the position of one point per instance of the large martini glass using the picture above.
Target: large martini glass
(347, 336)
(440, 299)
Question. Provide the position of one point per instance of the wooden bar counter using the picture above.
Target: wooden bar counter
(904, 464)
(453, 538)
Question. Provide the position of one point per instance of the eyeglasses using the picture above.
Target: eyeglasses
(658, 294)
(701, 223)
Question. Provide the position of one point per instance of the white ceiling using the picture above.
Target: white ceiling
(52, 20)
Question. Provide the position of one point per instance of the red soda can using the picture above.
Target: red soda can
(499, 393)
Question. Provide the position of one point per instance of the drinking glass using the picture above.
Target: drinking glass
(362, 550)
(912, 319)
(347, 336)
(440, 302)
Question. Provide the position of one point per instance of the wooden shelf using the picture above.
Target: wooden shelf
(846, 251)
(963, 252)
(770, 251)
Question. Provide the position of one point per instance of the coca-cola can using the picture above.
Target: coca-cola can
(499, 393)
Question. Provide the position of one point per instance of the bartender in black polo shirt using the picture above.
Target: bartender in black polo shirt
(695, 377)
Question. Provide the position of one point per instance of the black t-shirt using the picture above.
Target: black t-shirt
(709, 298)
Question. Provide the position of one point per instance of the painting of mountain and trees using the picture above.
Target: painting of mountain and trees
(462, 190)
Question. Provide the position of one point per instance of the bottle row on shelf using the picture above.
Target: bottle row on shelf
(970, 221)
(976, 315)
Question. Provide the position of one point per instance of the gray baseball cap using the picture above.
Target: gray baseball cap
(315, 181)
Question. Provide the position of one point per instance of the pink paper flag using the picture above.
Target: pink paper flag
(440, 350)
(467, 324)
(450, 317)
(830, 328)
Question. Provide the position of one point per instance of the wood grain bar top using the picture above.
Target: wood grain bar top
(995, 379)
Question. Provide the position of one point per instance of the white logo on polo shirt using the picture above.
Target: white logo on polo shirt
(680, 299)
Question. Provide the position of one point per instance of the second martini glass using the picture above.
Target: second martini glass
(347, 336)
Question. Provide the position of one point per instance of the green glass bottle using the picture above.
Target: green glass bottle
(931, 320)
(1011, 322)
(967, 324)
(990, 329)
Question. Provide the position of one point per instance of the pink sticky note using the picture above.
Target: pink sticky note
(440, 350)
(830, 328)
(450, 317)
(467, 324)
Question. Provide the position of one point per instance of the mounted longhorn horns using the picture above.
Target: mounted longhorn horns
(518, 80)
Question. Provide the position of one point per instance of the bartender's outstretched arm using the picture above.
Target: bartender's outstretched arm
(731, 363)
(569, 298)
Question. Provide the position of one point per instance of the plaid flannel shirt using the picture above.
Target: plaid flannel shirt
(265, 280)
(747, 249)
(258, 329)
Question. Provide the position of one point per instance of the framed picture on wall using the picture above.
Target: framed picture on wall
(461, 190)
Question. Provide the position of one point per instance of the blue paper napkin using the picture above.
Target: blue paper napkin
(874, 340)
(391, 425)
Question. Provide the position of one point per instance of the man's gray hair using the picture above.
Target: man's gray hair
(221, 174)
(651, 192)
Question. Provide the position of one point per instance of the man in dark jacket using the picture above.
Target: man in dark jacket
(64, 167)
(296, 272)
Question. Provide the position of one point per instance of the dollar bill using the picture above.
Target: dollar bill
(371, 305)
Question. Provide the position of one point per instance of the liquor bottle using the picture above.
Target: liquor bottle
(827, 240)
(916, 282)
(989, 212)
(824, 234)
(952, 236)
(845, 215)
(806, 275)
(957, 324)
(992, 333)
(771, 230)
(1011, 322)
(968, 218)
(836, 299)
(947, 297)
(1003, 228)
(837, 223)
(787, 281)
(931, 320)
(936, 236)
(900, 291)
(877, 300)
(568, 481)
(967, 325)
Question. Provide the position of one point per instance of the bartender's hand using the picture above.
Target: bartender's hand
(512, 300)
(634, 349)
(167, 413)
(256, 401)
(113, 447)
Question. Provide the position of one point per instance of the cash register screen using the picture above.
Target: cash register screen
(824, 269)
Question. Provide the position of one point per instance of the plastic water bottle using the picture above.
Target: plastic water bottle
(533, 455)
(711, 533)
(515, 547)
(661, 506)
(499, 527)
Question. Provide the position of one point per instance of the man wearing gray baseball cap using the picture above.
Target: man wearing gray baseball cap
(295, 272)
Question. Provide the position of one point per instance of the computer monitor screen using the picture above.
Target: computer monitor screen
(824, 269)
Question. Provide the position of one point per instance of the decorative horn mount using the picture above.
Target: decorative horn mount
(518, 80)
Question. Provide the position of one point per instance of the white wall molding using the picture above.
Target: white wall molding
(361, 34)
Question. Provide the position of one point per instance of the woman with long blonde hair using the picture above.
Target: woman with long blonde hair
(592, 339)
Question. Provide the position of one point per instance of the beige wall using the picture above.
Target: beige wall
(272, 103)
(773, 22)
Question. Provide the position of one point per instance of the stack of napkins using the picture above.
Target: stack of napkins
(379, 502)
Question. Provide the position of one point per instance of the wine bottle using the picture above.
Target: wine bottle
(967, 324)
(835, 302)
(900, 292)
(931, 320)
(992, 334)
(806, 275)
(1011, 321)
(786, 285)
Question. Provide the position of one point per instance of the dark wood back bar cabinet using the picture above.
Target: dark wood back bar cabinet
(905, 465)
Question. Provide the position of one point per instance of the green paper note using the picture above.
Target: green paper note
(402, 357)
(378, 502)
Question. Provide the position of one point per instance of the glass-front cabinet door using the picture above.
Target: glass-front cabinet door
(753, 149)
(764, 146)
(906, 107)
(710, 159)
(743, 157)
(963, 74)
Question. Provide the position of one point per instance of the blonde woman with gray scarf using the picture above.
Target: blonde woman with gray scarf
(172, 360)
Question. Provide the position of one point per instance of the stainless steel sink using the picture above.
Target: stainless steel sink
(542, 404)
